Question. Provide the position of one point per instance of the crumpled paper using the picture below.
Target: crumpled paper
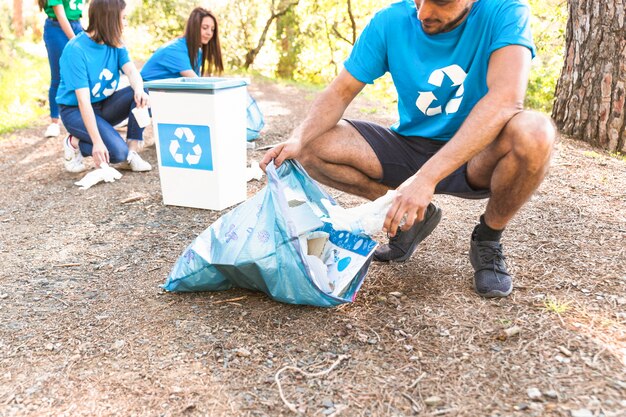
(104, 173)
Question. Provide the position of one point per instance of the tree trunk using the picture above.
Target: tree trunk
(591, 90)
(252, 53)
(18, 18)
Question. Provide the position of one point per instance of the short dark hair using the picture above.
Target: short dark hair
(211, 52)
(105, 25)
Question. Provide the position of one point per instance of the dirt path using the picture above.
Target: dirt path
(85, 330)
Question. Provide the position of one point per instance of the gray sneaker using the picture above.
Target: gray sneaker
(491, 278)
(403, 244)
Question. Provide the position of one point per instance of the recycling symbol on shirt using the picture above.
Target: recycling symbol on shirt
(425, 99)
(104, 83)
(192, 158)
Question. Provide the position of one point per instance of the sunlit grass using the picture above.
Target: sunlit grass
(553, 305)
(23, 90)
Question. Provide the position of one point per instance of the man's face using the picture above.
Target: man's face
(439, 16)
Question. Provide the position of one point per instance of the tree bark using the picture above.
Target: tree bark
(18, 18)
(591, 91)
(252, 53)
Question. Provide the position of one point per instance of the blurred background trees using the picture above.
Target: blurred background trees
(305, 41)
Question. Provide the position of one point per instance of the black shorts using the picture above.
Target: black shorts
(402, 156)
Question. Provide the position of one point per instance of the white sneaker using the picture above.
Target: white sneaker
(73, 158)
(53, 130)
(136, 163)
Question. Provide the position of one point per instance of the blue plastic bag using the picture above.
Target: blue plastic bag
(255, 120)
(257, 246)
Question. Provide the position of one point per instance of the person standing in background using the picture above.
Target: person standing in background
(62, 24)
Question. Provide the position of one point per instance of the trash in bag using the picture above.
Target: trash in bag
(255, 119)
(281, 242)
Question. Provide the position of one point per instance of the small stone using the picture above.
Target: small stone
(119, 344)
(432, 401)
(552, 394)
(565, 351)
(534, 394)
(4, 295)
(520, 407)
(414, 358)
(396, 294)
(582, 412)
(562, 359)
(372, 341)
(328, 403)
(243, 352)
(49, 346)
(408, 348)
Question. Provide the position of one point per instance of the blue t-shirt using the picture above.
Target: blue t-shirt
(85, 63)
(439, 78)
(169, 61)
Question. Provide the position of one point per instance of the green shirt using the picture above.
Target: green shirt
(73, 8)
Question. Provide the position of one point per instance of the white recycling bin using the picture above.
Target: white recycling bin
(200, 134)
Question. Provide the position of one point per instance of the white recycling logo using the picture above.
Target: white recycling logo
(426, 98)
(191, 158)
(109, 87)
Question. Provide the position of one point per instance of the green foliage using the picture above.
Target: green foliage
(155, 22)
(548, 25)
(23, 84)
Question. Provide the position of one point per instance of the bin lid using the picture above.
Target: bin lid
(197, 83)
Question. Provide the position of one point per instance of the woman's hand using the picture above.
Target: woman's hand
(142, 98)
(100, 154)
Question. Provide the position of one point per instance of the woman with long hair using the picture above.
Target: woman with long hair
(197, 53)
(61, 25)
(89, 102)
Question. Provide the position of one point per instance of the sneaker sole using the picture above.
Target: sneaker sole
(494, 293)
(426, 230)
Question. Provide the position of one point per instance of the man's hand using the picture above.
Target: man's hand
(285, 150)
(100, 154)
(410, 203)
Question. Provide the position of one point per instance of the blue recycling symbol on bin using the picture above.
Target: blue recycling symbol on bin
(185, 146)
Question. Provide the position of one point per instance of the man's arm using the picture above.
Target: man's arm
(507, 78)
(324, 114)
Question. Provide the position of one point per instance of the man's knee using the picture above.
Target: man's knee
(533, 136)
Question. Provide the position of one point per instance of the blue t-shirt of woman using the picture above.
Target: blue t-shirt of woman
(88, 64)
(169, 61)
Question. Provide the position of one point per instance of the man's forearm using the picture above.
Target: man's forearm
(328, 108)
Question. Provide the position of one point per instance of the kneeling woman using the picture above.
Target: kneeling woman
(89, 104)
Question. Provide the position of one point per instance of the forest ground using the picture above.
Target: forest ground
(85, 329)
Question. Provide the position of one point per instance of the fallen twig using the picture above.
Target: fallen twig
(443, 411)
(230, 300)
(132, 198)
(66, 265)
(416, 406)
(289, 405)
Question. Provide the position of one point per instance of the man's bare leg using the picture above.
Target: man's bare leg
(342, 159)
(513, 166)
